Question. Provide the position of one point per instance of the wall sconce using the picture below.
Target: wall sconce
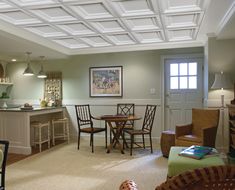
(28, 71)
(41, 73)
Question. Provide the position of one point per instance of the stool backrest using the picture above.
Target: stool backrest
(4, 147)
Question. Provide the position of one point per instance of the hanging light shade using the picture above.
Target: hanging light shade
(28, 71)
(41, 73)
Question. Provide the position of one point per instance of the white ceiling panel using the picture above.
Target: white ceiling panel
(181, 34)
(150, 37)
(172, 6)
(183, 20)
(96, 24)
(78, 28)
(92, 10)
(71, 43)
(108, 26)
(46, 31)
(33, 2)
(133, 7)
(18, 17)
(4, 5)
(53, 14)
(96, 41)
(143, 23)
(121, 39)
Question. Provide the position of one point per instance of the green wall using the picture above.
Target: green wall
(141, 72)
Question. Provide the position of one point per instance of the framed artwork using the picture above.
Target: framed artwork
(106, 81)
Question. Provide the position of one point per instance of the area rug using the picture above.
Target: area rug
(65, 168)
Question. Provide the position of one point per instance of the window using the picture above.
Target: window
(183, 75)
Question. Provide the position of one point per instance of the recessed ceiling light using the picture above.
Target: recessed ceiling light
(13, 60)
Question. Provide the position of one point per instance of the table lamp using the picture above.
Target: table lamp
(222, 81)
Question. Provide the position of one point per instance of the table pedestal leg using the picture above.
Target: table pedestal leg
(116, 136)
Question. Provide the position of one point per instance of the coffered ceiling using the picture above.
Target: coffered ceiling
(90, 26)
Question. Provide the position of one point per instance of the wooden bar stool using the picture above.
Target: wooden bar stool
(58, 123)
(41, 133)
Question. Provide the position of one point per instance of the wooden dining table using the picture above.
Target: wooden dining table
(117, 129)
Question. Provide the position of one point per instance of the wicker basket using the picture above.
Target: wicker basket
(233, 139)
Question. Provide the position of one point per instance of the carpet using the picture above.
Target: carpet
(63, 167)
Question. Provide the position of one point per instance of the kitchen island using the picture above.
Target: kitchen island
(15, 125)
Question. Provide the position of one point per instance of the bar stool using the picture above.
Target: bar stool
(41, 133)
(58, 123)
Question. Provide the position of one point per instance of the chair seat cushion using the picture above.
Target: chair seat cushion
(136, 132)
(89, 130)
(191, 138)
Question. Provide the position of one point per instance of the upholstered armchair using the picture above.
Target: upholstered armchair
(202, 131)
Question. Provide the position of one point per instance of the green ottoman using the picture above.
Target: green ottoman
(178, 164)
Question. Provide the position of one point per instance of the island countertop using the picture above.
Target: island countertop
(18, 109)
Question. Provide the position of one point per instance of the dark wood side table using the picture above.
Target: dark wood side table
(167, 141)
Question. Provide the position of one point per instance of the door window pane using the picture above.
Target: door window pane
(174, 83)
(183, 75)
(192, 68)
(183, 83)
(183, 68)
(192, 82)
(174, 69)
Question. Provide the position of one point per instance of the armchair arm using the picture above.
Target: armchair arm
(209, 136)
(183, 130)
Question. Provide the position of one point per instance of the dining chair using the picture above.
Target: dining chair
(125, 109)
(4, 150)
(146, 128)
(85, 124)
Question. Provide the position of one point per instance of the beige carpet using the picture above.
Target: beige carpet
(65, 168)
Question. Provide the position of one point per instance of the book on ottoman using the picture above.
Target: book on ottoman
(196, 152)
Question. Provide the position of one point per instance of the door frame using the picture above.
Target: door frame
(176, 56)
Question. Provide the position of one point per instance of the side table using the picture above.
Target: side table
(167, 141)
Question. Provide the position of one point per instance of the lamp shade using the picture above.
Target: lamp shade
(41, 73)
(222, 81)
(28, 71)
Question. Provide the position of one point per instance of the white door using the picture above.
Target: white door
(183, 90)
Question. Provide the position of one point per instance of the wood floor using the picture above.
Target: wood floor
(12, 158)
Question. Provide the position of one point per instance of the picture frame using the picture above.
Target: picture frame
(106, 81)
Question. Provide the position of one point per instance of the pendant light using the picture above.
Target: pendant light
(28, 71)
(41, 73)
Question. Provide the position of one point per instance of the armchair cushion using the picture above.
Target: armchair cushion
(191, 138)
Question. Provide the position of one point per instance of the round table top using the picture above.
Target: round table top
(118, 117)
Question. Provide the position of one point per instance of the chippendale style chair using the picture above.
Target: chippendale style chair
(85, 124)
(146, 128)
(125, 109)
